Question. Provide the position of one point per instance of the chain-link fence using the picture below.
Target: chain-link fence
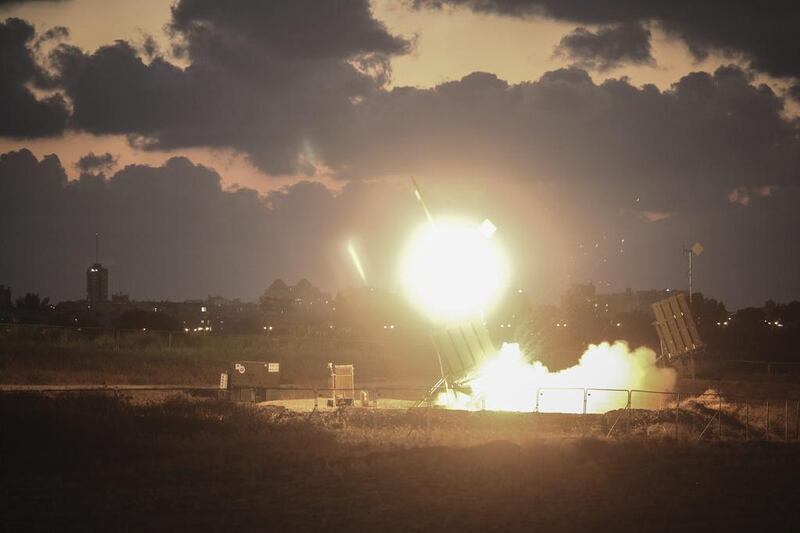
(563, 412)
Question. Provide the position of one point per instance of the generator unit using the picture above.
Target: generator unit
(252, 381)
(342, 385)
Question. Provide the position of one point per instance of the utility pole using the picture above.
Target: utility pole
(696, 249)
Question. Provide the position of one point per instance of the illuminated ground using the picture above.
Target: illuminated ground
(96, 462)
(308, 405)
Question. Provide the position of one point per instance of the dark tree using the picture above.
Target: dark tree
(31, 309)
(148, 320)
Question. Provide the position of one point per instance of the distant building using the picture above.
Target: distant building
(305, 293)
(300, 295)
(579, 296)
(96, 284)
(644, 299)
(585, 296)
(278, 290)
(120, 299)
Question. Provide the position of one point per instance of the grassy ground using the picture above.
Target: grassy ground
(95, 462)
(42, 356)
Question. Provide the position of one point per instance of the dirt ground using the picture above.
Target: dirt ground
(88, 462)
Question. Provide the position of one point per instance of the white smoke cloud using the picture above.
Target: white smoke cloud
(509, 382)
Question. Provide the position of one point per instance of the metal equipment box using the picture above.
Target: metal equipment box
(254, 380)
(342, 385)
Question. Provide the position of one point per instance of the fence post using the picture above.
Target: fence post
(375, 410)
(719, 419)
(797, 422)
(316, 399)
(428, 416)
(629, 407)
(677, 412)
(538, 392)
(746, 420)
(583, 418)
(585, 395)
(786, 423)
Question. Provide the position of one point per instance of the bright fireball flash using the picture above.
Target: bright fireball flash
(454, 269)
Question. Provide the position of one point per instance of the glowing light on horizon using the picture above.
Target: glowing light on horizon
(453, 270)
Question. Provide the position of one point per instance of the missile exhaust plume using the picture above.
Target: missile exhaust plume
(510, 382)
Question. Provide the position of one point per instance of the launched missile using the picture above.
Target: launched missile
(418, 194)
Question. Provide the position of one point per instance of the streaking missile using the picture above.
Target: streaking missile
(351, 249)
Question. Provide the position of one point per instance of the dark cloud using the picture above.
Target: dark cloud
(150, 47)
(794, 92)
(96, 163)
(173, 231)
(609, 47)
(306, 29)
(272, 80)
(56, 33)
(562, 161)
(765, 33)
(599, 162)
(744, 195)
(22, 114)
(6, 3)
(679, 149)
(114, 92)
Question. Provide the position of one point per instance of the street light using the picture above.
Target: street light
(695, 250)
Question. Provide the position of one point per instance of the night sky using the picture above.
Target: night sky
(219, 145)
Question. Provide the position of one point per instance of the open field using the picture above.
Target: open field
(100, 462)
(42, 355)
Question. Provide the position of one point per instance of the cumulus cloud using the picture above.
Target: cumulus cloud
(608, 47)
(765, 33)
(295, 89)
(4, 3)
(96, 163)
(173, 231)
(794, 92)
(743, 195)
(298, 89)
(267, 79)
(22, 114)
(306, 29)
(678, 149)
